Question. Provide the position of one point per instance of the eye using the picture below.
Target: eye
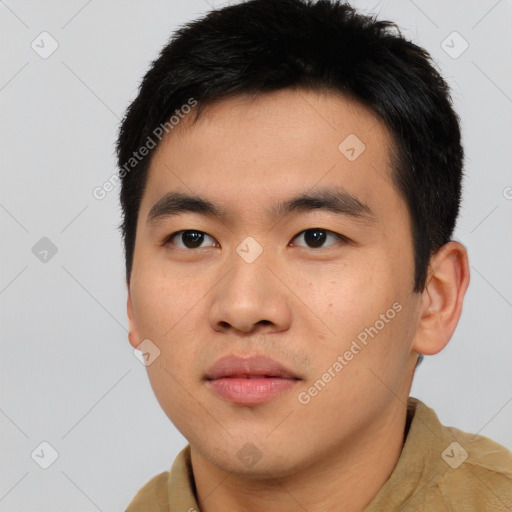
(190, 239)
(315, 237)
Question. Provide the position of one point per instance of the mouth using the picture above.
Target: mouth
(249, 381)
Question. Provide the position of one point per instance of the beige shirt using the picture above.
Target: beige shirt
(440, 469)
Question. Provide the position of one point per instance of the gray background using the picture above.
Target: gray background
(68, 374)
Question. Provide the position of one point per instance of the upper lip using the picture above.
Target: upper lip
(236, 366)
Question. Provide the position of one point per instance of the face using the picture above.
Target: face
(301, 252)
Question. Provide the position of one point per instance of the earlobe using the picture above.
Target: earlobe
(442, 298)
(133, 331)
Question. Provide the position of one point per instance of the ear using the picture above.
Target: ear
(133, 330)
(442, 298)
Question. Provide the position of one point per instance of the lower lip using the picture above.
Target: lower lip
(250, 391)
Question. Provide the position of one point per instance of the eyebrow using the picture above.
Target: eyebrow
(337, 201)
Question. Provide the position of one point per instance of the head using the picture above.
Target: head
(313, 159)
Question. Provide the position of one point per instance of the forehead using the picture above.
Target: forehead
(251, 150)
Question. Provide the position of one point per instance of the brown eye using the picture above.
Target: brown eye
(189, 239)
(316, 237)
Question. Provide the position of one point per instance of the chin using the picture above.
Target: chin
(248, 457)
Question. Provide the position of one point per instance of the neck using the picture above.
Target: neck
(347, 478)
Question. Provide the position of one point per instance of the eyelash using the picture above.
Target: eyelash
(343, 239)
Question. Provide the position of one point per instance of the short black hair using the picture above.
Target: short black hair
(261, 46)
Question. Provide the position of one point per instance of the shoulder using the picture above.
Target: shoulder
(153, 497)
(478, 474)
(466, 472)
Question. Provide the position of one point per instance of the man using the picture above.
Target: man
(291, 177)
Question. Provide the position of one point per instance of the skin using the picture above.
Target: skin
(301, 305)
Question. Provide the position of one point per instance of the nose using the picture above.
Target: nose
(251, 298)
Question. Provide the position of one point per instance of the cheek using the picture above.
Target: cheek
(162, 300)
(175, 394)
(347, 298)
(364, 305)
(167, 309)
